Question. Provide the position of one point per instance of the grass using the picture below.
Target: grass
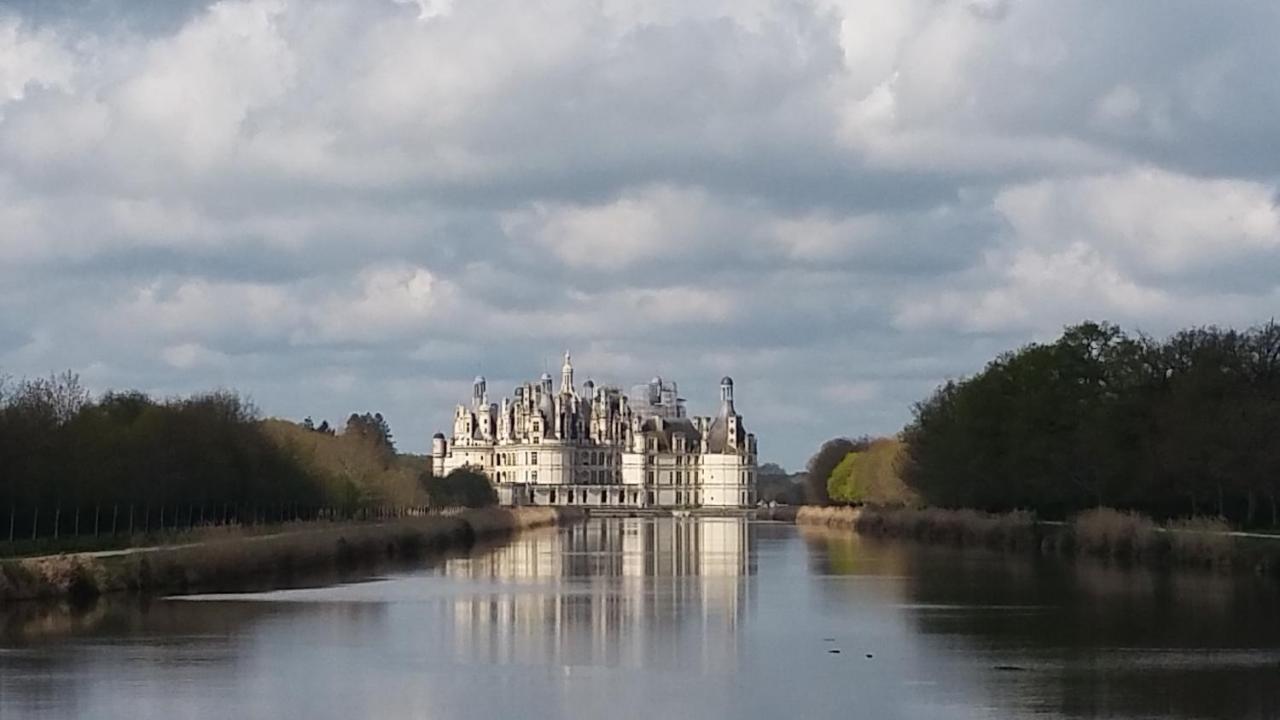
(235, 561)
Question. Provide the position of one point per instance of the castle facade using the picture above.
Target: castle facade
(599, 446)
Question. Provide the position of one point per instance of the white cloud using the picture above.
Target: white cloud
(31, 58)
(658, 224)
(1038, 292)
(188, 356)
(194, 92)
(1148, 220)
(1109, 246)
(385, 303)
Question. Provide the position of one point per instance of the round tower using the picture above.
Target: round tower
(438, 447)
(726, 396)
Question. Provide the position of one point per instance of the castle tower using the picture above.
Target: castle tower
(566, 376)
(479, 395)
(438, 447)
(726, 397)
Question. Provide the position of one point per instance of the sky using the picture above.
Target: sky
(335, 206)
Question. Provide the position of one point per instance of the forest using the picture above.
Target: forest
(1183, 426)
(72, 464)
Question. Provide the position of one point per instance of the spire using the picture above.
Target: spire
(566, 375)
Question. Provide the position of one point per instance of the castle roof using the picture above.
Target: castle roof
(665, 429)
(718, 435)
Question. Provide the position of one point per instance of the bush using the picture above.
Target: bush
(461, 488)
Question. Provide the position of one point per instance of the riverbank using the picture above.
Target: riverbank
(231, 563)
(1100, 533)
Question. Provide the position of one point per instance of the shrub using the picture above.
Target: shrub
(461, 488)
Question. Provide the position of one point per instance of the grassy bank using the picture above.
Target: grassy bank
(1102, 533)
(237, 562)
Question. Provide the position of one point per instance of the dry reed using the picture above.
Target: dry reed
(936, 525)
(1104, 532)
(232, 562)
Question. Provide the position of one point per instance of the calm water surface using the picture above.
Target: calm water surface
(671, 619)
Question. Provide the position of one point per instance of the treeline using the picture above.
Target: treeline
(60, 448)
(1182, 426)
(62, 451)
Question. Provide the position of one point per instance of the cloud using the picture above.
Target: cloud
(1121, 247)
(1152, 221)
(30, 59)
(839, 202)
(188, 356)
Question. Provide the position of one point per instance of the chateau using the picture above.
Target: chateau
(599, 446)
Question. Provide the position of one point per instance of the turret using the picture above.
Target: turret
(479, 395)
(438, 448)
(726, 397)
(566, 376)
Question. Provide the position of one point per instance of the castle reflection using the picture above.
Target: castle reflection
(624, 591)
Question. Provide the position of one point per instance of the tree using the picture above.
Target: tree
(373, 428)
(871, 475)
(823, 462)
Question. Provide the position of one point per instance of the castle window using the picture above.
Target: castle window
(533, 457)
(650, 477)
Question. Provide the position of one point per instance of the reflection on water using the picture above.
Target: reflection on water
(629, 591)
(670, 618)
(1085, 639)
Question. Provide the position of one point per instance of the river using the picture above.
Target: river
(670, 618)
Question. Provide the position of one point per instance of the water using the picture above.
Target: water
(671, 619)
